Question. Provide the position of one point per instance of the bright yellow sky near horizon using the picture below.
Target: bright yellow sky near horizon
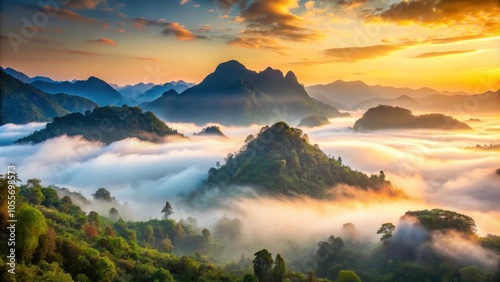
(445, 45)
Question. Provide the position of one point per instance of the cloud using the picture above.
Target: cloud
(184, 2)
(105, 41)
(256, 42)
(74, 52)
(480, 13)
(83, 4)
(146, 59)
(353, 54)
(65, 14)
(169, 28)
(9, 133)
(274, 19)
(444, 53)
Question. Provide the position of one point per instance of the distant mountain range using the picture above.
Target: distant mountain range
(388, 117)
(22, 103)
(121, 122)
(156, 91)
(24, 78)
(356, 95)
(93, 89)
(232, 94)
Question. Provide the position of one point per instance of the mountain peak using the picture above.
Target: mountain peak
(170, 93)
(231, 65)
(291, 76)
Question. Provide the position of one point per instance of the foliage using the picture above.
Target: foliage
(281, 161)
(385, 117)
(438, 219)
(105, 124)
(348, 276)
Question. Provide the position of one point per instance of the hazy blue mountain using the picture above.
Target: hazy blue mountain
(24, 78)
(388, 117)
(122, 122)
(132, 91)
(232, 94)
(93, 89)
(156, 91)
(22, 103)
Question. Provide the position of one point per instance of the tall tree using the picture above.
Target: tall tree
(279, 269)
(262, 265)
(386, 230)
(31, 226)
(167, 210)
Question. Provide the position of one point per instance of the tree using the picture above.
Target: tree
(348, 276)
(103, 194)
(149, 234)
(310, 276)
(386, 230)
(35, 195)
(262, 265)
(279, 269)
(249, 278)
(31, 225)
(167, 210)
(94, 218)
(114, 215)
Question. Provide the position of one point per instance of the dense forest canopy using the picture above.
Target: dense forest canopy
(106, 124)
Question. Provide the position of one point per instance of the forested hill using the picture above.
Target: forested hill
(106, 124)
(280, 160)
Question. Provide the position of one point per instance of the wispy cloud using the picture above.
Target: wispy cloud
(169, 28)
(445, 53)
(105, 41)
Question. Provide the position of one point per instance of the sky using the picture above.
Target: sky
(443, 44)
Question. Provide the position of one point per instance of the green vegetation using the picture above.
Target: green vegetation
(57, 241)
(313, 121)
(22, 103)
(106, 124)
(281, 161)
(386, 117)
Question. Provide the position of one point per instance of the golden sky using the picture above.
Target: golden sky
(443, 44)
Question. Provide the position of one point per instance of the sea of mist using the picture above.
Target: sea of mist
(434, 168)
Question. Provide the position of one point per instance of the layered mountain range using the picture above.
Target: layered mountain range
(22, 103)
(233, 94)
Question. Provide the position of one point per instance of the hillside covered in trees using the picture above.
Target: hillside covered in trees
(57, 241)
(280, 161)
(387, 117)
(106, 124)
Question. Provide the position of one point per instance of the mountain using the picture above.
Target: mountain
(156, 91)
(350, 94)
(344, 93)
(120, 123)
(280, 161)
(132, 91)
(488, 102)
(402, 101)
(313, 121)
(211, 131)
(24, 78)
(232, 94)
(388, 117)
(93, 89)
(22, 103)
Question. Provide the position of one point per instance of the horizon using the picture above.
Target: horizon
(123, 42)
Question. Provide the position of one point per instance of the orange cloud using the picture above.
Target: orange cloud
(170, 28)
(256, 42)
(445, 53)
(106, 41)
(482, 14)
(274, 19)
(179, 31)
(353, 54)
(74, 52)
(145, 59)
(83, 4)
(65, 14)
